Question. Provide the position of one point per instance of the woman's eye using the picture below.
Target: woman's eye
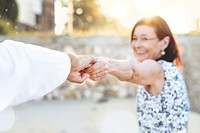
(144, 38)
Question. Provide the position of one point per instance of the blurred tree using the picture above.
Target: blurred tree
(87, 15)
(9, 10)
(6, 27)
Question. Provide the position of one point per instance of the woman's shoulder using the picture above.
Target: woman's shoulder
(149, 69)
(170, 69)
(148, 65)
(167, 65)
(151, 65)
(164, 62)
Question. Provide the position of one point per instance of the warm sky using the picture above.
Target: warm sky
(181, 15)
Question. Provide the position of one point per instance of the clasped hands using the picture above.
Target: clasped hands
(85, 66)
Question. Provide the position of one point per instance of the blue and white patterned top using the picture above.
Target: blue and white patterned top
(167, 112)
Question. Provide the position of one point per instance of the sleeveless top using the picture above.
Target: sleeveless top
(167, 112)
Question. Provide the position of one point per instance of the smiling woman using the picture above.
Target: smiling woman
(162, 99)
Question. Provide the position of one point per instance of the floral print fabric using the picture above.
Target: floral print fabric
(168, 111)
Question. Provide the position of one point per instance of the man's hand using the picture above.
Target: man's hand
(78, 64)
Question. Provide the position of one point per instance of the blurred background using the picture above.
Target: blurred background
(99, 28)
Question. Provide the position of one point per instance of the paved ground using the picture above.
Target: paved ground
(85, 116)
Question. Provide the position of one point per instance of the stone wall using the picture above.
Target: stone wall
(191, 70)
(119, 48)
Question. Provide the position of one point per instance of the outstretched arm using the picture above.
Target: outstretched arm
(147, 72)
(29, 71)
(121, 69)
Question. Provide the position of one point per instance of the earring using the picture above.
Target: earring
(162, 52)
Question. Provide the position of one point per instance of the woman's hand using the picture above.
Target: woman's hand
(98, 70)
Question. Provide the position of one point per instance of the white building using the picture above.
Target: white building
(28, 11)
(36, 14)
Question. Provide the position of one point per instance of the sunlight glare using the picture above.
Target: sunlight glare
(120, 10)
(117, 9)
(147, 6)
(180, 15)
(179, 19)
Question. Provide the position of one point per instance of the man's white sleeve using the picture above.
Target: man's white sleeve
(29, 71)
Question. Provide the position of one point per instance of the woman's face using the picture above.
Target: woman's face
(145, 43)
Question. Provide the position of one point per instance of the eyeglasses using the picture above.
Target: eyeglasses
(143, 39)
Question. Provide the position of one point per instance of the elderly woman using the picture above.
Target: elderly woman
(162, 98)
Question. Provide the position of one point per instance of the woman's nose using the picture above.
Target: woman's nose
(136, 43)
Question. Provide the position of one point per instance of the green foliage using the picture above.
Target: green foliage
(6, 27)
(9, 10)
(87, 15)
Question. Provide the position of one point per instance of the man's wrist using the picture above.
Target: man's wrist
(73, 60)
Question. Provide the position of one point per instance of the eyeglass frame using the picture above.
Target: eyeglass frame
(143, 39)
